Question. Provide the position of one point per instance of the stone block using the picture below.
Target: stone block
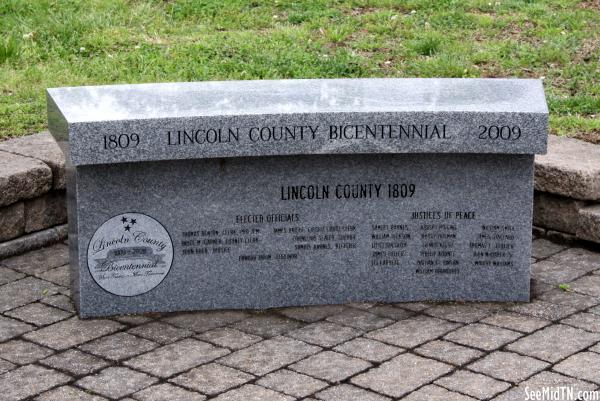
(556, 212)
(42, 147)
(46, 211)
(588, 223)
(12, 221)
(570, 168)
(22, 178)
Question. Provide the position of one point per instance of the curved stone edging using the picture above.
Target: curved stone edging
(38, 239)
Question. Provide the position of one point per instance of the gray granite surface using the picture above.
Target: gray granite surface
(226, 236)
(312, 192)
(292, 117)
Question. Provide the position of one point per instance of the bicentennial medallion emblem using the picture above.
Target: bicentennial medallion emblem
(130, 254)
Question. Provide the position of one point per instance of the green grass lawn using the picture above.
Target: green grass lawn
(49, 43)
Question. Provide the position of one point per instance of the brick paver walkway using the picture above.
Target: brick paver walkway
(362, 352)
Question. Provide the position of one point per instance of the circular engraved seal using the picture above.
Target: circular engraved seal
(130, 254)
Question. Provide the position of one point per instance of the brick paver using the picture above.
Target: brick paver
(24, 291)
(401, 375)
(515, 321)
(160, 332)
(10, 328)
(414, 331)
(436, 393)
(39, 314)
(482, 336)
(204, 321)
(368, 349)
(267, 325)
(584, 365)
(212, 378)
(331, 366)
(230, 338)
(360, 319)
(58, 275)
(177, 357)
(75, 362)
(23, 352)
(292, 383)
(251, 392)
(269, 355)
(9, 275)
(542, 248)
(117, 347)
(570, 298)
(391, 312)
(324, 334)
(554, 343)
(475, 385)
(311, 314)
(359, 351)
(60, 301)
(553, 273)
(165, 391)
(116, 382)
(577, 258)
(348, 392)
(72, 332)
(461, 313)
(29, 380)
(68, 393)
(448, 352)
(585, 321)
(544, 379)
(544, 310)
(508, 366)
(589, 285)
(5, 366)
(39, 261)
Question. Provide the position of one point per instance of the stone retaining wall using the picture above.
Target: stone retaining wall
(33, 209)
(33, 212)
(567, 184)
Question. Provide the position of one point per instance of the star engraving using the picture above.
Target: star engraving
(127, 227)
(124, 220)
(133, 221)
